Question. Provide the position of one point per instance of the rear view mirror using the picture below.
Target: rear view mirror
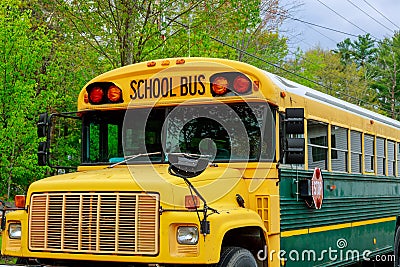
(42, 154)
(294, 121)
(42, 125)
(186, 165)
(295, 145)
(295, 150)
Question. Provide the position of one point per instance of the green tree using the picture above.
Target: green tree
(362, 52)
(387, 80)
(22, 51)
(125, 32)
(325, 72)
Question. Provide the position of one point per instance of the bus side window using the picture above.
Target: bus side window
(356, 152)
(398, 159)
(317, 133)
(369, 155)
(381, 156)
(339, 149)
(391, 158)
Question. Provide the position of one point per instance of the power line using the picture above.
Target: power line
(319, 26)
(281, 68)
(381, 14)
(322, 34)
(375, 40)
(369, 15)
(345, 18)
(291, 72)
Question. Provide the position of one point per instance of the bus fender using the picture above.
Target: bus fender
(237, 227)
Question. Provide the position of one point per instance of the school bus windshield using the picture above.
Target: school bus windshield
(224, 132)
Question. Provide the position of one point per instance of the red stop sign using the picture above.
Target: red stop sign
(317, 188)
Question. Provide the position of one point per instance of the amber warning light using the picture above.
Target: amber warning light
(192, 202)
(230, 83)
(19, 201)
(103, 93)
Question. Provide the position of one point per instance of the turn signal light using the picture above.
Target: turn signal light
(192, 202)
(19, 201)
(86, 98)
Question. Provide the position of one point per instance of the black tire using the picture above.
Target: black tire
(397, 248)
(236, 257)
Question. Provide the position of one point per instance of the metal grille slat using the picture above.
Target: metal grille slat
(106, 223)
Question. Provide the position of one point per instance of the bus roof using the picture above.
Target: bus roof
(308, 93)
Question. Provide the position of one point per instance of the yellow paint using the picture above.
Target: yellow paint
(373, 221)
(294, 232)
(329, 228)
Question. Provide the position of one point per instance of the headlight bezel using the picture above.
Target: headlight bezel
(187, 235)
(14, 230)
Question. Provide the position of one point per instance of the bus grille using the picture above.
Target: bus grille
(102, 223)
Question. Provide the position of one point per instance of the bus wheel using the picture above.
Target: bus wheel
(397, 248)
(236, 257)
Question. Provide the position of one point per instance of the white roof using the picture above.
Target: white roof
(318, 96)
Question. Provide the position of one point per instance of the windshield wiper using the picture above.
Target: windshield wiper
(133, 157)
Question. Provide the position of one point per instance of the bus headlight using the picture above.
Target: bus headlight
(187, 235)
(14, 231)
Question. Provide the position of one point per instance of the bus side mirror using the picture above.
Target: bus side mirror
(294, 121)
(295, 147)
(42, 125)
(42, 154)
(295, 150)
(186, 165)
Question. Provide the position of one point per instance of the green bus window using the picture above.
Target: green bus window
(317, 145)
(369, 154)
(356, 152)
(391, 158)
(114, 144)
(381, 157)
(339, 149)
(94, 143)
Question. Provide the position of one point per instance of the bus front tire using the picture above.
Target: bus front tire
(236, 257)
(397, 248)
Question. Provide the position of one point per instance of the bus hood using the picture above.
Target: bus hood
(142, 178)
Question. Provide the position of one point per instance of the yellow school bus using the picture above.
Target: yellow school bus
(205, 161)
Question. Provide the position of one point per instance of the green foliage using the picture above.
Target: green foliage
(379, 60)
(387, 78)
(345, 81)
(22, 50)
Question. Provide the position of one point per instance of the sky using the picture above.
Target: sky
(322, 12)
